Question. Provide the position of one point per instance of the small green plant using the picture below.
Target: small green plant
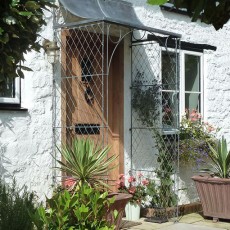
(220, 160)
(87, 208)
(15, 206)
(146, 99)
(87, 163)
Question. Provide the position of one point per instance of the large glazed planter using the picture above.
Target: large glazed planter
(214, 196)
(121, 199)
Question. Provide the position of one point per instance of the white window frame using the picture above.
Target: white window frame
(182, 82)
(16, 99)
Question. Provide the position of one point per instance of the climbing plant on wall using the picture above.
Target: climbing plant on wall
(20, 23)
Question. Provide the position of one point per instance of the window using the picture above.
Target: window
(190, 81)
(10, 91)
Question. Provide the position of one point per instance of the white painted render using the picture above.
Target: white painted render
(216, 79)
(26, 137)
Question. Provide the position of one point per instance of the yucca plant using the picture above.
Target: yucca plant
(220, 160)
(87, 163)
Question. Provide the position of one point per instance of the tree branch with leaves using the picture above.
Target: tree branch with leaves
(214, 12)
(20, 23)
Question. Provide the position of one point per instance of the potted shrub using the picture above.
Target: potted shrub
(214, 189)
(136, 186)
(88, 164)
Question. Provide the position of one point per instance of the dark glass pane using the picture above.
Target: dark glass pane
(192, 73)
(7, 88)
(169, 110)
(169, 63)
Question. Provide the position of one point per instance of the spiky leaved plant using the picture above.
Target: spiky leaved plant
(87, 163)
(220, 160)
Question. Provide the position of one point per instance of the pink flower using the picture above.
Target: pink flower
(121, 176)
(139, 174)
(69, 182)
(194, 115)
(168, 110)
(132, 190)
(131, 179)
(120, 184)
(145, 182)
(210, 128)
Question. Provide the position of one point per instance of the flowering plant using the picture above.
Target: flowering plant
(136, 187)
(194, 138)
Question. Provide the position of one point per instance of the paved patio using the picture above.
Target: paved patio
(192, 221)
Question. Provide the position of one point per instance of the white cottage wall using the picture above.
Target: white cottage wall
(217, 69)
(216, 77)
(26, 136)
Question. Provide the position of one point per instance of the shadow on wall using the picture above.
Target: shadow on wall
(9, 133)
(190, 192)
(3, 161)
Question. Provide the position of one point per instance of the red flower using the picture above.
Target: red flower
(145, 182)
(69, 182)
(131, 179)
(132, 190)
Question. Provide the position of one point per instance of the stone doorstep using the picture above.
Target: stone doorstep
(183, 210)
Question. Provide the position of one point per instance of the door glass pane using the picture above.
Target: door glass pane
(192, 73)
(7, 88)
(192, 101)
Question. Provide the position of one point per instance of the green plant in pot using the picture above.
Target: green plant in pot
(85, 191)
(213, 189)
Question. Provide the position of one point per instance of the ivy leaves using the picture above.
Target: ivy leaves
(20, 23)
(215, 12)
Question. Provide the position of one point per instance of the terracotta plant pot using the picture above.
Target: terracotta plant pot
(214, 195)
(121, 199)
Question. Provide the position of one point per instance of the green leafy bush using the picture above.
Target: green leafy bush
(87, 208)
(15, 206)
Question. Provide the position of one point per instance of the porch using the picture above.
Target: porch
(193, 221)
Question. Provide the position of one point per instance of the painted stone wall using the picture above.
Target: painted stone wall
(216, 82)
(26, 136)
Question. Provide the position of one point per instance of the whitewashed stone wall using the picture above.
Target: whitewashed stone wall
(26, 136)
(216, 82)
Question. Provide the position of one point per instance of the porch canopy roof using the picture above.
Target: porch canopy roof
(113, 11)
